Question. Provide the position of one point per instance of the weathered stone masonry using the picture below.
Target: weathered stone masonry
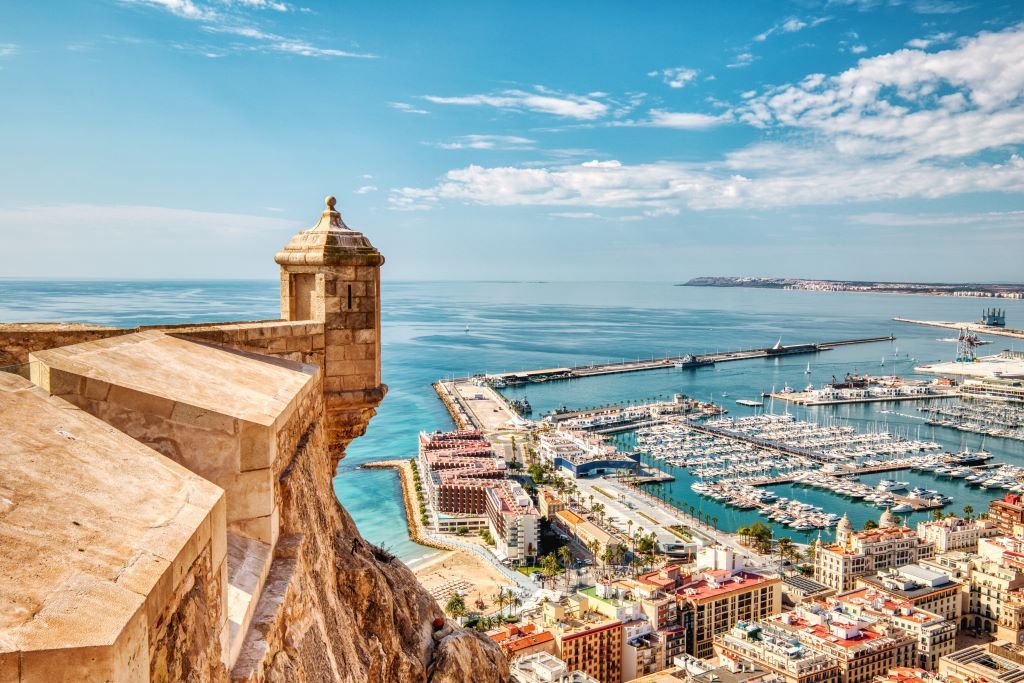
(273, 583)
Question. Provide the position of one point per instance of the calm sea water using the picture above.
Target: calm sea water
(515, 325)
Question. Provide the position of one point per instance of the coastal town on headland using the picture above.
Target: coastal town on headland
(592, 543)
(995, 291)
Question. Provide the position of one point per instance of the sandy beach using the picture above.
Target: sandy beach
(463, 572)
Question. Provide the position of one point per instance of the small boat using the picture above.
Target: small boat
(883, 360)
(748, 402)
(903, 507)
(808, 370)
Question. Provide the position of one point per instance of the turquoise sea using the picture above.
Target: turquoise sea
(522, 325)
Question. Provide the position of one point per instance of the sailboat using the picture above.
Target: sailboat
(808, 370)
(883, 360)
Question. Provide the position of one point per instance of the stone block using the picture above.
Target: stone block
(264, 529)
(218, 531)
(10, 667)
(256, 446)
(337, 337)
(250, 494)
(96, 389)
(140, 402)
(366, 336)
(186, 414)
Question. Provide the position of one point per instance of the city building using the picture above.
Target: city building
(514, 522)
(543, 667)
(717, 599)
(456, 469)
(519, 641)
(954, 533)
(858, 553)
(589, 534)
(920, 586)
(798, 588)
(862, 648)
(767, 646)
(909, 674)
(549, 502)
(994, 600)
(1007, 513)
(593, 646)
(1011, 390)
(987, 663)
(935, 635)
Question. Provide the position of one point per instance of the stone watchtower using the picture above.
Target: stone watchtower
(330, 274)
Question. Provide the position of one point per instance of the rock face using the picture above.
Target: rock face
(275, 582)
(341, 608)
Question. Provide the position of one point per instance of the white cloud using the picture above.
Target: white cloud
(407, 108)
(366, 189)
(684, 120)
(263, 4)
(773, 177)
(952, 103)
(232, 19)
(497, 142)
(182, 8)
(901, 220)
(858, 49)
(542, 100)
(577, 215)
(741, 60)
(790, 25)
(676, 77)
(7, 49)
(134, 220)
(922, 43)
(908, 124)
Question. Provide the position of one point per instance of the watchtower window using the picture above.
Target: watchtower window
(350, 297)
(303, 285)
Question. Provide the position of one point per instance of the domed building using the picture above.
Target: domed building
(843, 531)
(888, 520)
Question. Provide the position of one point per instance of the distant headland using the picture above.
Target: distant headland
(992, 290)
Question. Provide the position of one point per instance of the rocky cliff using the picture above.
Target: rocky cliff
(336, 607)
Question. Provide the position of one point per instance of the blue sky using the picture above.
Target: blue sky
(555, 141)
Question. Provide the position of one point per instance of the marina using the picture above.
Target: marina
(991, 418)
(868, 389)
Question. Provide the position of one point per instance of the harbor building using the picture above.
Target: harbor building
(935, 635)
(1007, 513)
(768, 646)
(514, 522)
(577, 453)
(919, 586)
(998, 389)
(859, 553)
(993, 317)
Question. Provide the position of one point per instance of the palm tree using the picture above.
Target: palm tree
(968, 512)
(565, 555)
(714, 521)
(629, 525)
(514, 601)
(455, 607)
(500, 598)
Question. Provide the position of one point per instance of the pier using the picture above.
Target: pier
(687, 361)
(977, 328)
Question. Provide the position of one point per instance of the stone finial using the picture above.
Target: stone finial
(329, 243)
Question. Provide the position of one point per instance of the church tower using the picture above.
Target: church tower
(330, 275)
